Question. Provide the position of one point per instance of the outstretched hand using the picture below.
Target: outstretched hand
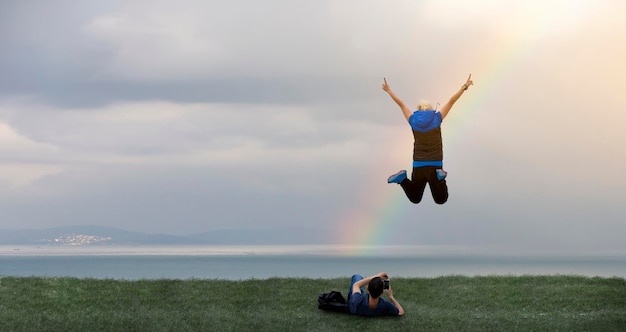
(468, 82)
(385, 85)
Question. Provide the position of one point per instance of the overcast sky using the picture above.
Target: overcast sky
(189, 116)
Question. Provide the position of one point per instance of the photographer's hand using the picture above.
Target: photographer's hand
(393, 300)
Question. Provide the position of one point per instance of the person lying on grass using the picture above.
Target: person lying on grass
(372, 304)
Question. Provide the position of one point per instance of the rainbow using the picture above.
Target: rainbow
(381, 207)
(371, 218)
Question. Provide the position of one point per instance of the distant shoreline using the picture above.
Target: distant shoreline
(301, 249)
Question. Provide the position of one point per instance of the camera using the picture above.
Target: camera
(386, 284)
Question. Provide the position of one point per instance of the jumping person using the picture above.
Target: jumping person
(427, 148)
(372, 304)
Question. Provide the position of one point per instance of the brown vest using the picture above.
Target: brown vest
(427, 145)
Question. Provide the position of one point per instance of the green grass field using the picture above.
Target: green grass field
(451, 303)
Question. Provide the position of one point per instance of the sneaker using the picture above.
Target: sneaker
(398, 177)
(441, 174)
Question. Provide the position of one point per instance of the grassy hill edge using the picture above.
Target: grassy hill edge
(459, 303)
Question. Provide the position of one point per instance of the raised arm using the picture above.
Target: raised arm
(356, 288)
(405, 110)
(446, 108)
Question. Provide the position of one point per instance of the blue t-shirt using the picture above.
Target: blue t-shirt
(358, 305)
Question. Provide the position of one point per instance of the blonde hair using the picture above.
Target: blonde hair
(424, 105)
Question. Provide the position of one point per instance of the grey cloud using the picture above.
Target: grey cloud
(83, 93)
(162, 198)
(275, 52)
(180, 128)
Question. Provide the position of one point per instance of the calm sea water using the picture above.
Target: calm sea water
(261, 262)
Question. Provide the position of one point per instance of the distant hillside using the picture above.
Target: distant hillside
(96, 235)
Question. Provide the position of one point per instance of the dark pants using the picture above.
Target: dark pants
(414, 188)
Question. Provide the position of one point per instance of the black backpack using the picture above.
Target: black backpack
(332, 301)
